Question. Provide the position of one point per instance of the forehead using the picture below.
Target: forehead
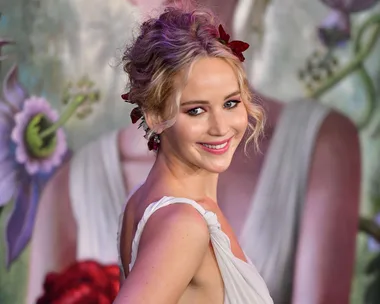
(210, 76)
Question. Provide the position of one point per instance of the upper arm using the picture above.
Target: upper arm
(326, 247)
(172, 247)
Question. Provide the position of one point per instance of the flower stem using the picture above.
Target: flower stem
(370, 92)
(369, 87)
(71, 108)
(361, 55)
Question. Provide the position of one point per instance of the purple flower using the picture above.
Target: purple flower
(22, 173)
(335, 29)
(8, 175)
(33, 164)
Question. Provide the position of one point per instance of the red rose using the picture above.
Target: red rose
(82, 282)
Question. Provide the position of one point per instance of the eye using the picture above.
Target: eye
(231, 104)
(195, 111)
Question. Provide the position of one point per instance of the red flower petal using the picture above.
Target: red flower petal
(152, 145)
(125, 96)
(83, 282)
(136, 114)
(238, 46)
(223, 35)
(114, 289)
(62, 282)
(74, 294)
(241, 57)
(50, 280)
(87, 271)
(112, 270)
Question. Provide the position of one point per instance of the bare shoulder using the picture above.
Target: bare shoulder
(173, 245)
(178, 222)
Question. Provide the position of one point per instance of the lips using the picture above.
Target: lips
(219, 147)
(215, 147)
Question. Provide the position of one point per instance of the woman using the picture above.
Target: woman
(83, 219)
(194, 103)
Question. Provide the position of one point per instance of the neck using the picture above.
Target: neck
(183, 179)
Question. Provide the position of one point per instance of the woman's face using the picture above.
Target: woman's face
(212, 118)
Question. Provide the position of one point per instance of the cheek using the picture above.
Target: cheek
(193, 131)
(186, 131)
(239, 121)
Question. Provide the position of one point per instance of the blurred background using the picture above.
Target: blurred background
(62, 58)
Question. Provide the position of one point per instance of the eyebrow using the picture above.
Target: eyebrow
(205, 101)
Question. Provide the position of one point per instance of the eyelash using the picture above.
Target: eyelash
(236, 102)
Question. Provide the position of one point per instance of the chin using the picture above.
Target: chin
(218, 167)
(216, 163)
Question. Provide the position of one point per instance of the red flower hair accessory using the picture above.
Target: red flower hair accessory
(237, 47)
(136, 115)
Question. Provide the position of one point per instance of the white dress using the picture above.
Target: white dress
(242, 282)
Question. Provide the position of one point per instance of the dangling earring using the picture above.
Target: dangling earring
(137, 114)
(154, 142)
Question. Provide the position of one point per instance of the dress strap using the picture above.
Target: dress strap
(209, 216)
(121, 217)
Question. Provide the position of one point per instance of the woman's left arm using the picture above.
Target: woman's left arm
(326, 247)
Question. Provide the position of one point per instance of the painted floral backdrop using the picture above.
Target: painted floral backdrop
(329, 50)
(60, 85)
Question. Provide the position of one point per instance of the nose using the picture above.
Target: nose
(218, 124)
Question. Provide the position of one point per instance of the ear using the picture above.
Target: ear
(154, 122)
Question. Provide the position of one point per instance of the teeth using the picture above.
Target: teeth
(215, 147)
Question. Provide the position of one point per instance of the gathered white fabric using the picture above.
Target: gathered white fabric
(242, 282)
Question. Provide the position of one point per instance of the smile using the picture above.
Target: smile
(216, 147)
